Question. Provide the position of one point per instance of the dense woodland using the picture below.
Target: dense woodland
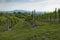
(30, 26)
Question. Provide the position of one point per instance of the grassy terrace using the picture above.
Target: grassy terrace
(22, 26)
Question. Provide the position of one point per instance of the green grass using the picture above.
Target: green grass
(50, 31)
(23, 30)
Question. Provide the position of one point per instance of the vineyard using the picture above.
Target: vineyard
(30, 26)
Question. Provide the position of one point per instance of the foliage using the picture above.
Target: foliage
(19, 26)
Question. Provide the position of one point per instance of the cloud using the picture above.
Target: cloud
(1, 1)
(39, 5)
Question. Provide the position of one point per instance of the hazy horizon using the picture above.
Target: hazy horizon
(38, 5)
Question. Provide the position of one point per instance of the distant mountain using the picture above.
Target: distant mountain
(21, 11)
(16, 11)
(39, 12)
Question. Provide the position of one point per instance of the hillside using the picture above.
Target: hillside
(22, 26)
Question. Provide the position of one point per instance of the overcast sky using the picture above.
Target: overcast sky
(38, 5)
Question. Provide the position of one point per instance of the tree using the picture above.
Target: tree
(55, 12)
(59, 14)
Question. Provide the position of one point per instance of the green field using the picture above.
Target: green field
(31, 26)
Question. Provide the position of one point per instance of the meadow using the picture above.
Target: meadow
(30, 26)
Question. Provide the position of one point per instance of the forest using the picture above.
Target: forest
(30, 26)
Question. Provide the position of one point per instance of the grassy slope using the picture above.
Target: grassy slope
(23, 31)
(50, 31)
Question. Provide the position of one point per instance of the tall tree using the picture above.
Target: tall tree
(59, 14)
(55, 12)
